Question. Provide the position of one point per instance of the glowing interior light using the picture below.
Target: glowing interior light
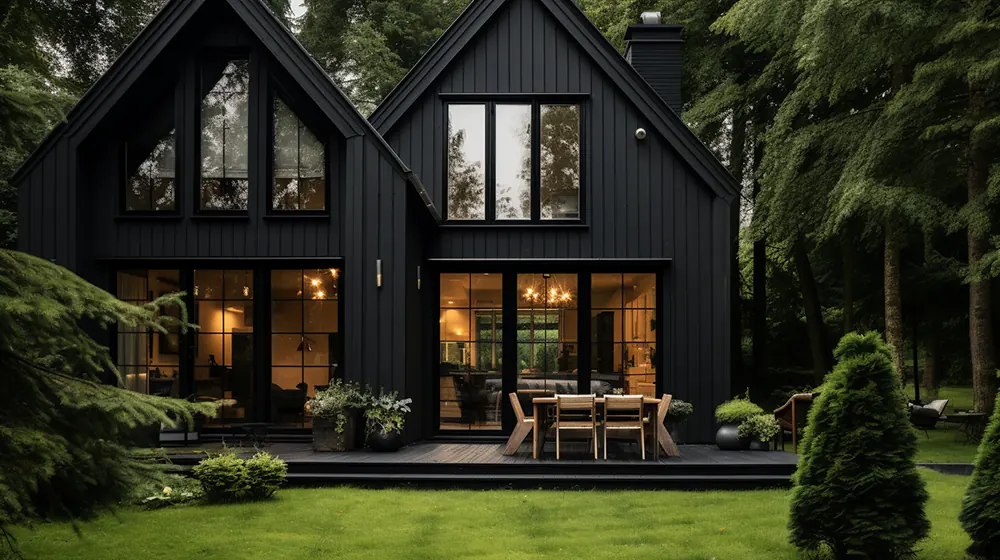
(315, 282)
(320, 294)
(246, 291)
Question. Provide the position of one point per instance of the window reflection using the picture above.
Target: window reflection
(299, 160)
(466, 162)
(224, 137)
(151, 184)
(513, 162)
(471, 356)
(560, 162)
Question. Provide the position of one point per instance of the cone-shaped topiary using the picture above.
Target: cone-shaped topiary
(857, 491)
(980, 515)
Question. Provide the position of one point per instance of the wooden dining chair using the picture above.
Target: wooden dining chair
(521, 429)
(624, 412)
(577, 413)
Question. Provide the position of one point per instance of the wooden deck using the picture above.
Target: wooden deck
(483, 465)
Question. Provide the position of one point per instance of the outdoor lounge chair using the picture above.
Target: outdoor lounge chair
(926, 417)
(522, 429)
(792, 416)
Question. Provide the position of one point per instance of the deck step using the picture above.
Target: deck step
(686, 482)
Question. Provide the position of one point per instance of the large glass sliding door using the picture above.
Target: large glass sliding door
(471, 356)
(148, 362)
(567, 333)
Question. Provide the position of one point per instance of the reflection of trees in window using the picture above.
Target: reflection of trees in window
(151, 185)
(513, 162)
(299, 177)
(466, 172)
(224, 137)
(560, 161)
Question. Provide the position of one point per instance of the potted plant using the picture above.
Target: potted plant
(384, 420)
(677, 414)
(333, 423)
(731, 414)
(760, 430)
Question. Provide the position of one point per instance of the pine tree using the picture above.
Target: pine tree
(857, 490)
(64, 433)
(980, 514)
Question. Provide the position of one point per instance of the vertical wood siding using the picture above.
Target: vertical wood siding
(641, 201)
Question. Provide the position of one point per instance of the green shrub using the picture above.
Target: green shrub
(228, 478)
(679, 411)
(736, 411)
(857, 491)
(980, 514)
(223, 477)
(265, 474)
(386, 413)
(761, 427)
(334, 402)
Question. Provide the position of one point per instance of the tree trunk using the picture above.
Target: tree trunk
(850, 278)
(758, 306)
(980, 299)
(893, 298)
(930, 379)
(819, 342)
(737, 161)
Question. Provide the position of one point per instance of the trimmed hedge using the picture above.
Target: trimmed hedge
(980, 514)
(857, 490)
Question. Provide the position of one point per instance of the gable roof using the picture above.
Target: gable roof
(277, 39)
(572, 19)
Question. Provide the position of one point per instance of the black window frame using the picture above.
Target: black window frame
(536, 102)
(176, 99)
(275, 91)
(194, 121)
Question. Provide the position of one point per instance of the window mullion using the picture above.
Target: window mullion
(491, 161)
(536, 162)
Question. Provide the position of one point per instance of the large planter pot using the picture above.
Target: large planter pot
(358, 422)
(728, 439)
(385, 443)
(757, 445)
(326, 437)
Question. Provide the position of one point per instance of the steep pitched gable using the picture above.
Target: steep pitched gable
(281, 44)
(476, 18)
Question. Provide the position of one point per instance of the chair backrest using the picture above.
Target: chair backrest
(646, 389)
(576, 407)
(518, 411)
(937, 406)
(623, 408)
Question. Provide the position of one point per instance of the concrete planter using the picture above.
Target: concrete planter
(326, 437)
(728, 439)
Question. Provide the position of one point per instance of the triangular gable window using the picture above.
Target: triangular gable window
(299, 180)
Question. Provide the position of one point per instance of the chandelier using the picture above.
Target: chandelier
(554, 296)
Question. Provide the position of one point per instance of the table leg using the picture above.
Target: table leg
(534, 433)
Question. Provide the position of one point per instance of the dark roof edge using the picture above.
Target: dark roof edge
(479, 12)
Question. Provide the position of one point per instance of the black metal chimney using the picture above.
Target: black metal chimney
(654, 50)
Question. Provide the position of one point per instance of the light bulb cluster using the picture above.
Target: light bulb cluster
(316, 285)
(554, 296)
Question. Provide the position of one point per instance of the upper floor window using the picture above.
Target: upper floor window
(299, 180)
(511, 162)
(225, 157)
(151, 184)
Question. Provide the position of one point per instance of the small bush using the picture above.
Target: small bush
(980, 514)
(227, 478)
(166, 490)
(761, 427)
(736, 411)
(223, 477)
(679, 411)
(265, 474)
(857, 490)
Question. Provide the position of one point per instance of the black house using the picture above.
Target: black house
(525, 213)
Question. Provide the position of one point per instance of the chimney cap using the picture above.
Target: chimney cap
(651, 18)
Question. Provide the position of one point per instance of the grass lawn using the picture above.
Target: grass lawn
(416, 524)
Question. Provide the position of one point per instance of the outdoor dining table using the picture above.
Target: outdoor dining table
(663, 439)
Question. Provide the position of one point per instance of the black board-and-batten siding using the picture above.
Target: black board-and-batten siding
(642, 202)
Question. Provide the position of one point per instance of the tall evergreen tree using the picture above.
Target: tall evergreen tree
(64, 433)
(857, 490)
(980, 515)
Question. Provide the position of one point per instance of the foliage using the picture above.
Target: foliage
(980, 514)
(678, 411)
(762, 427)
(386, 413)
(176, 490)
(228, 478)
(334, 402)
(857, 490)
(64, 433)
(367, 46)
(736, 411)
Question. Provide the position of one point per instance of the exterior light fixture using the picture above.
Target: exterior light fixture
(378, 273)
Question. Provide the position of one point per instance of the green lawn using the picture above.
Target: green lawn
(508, 524)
